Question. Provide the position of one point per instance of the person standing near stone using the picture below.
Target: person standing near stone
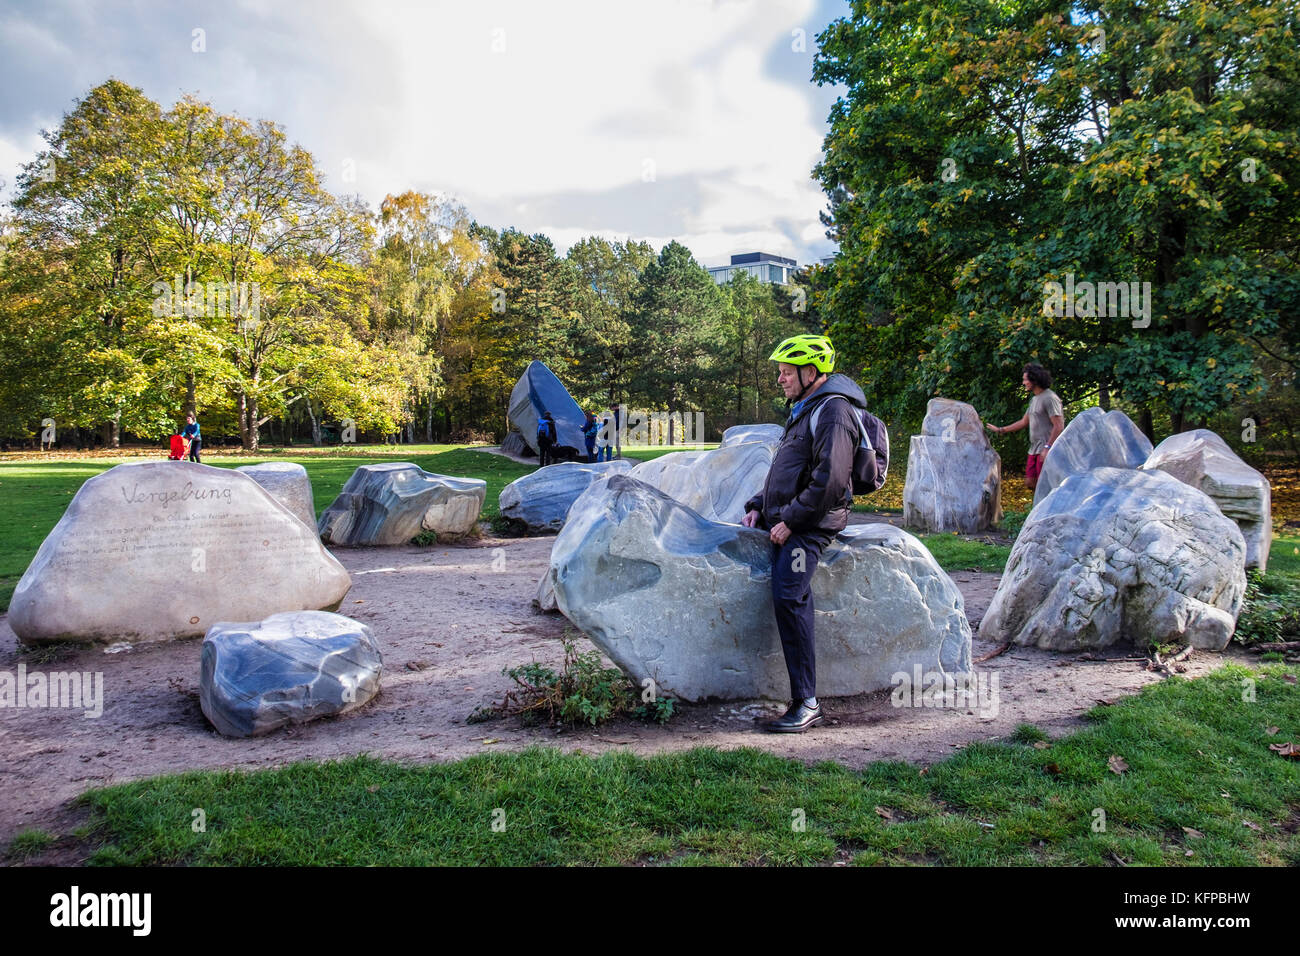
(805, 502)
(1045, 419)
(191, 432)
(545, 438)
(589, 431)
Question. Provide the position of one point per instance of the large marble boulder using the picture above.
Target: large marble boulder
(715, 483)
(287, 481)
(954, 477)
(1116, 554)
(738, 434)
(542, 499)
(157, 550)
(537, 391)
(393, 502)
(1203, 460)
(685, 601)
(1095, 439)
(258, 676)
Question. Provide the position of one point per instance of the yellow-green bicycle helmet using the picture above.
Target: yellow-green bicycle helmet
(815, 350)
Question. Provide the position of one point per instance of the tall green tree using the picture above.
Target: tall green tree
(604, 342)
(987, 149)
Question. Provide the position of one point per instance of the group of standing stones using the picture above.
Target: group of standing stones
(166, 550)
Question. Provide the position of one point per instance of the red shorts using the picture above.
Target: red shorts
(1033, 468)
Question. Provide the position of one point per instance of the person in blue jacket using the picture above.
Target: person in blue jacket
(546, 435)
(191, 431)
(589, 432)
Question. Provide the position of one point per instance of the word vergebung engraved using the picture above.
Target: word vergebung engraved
(138, 497)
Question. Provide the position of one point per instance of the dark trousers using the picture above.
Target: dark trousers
(196, 445)
(793, 564)
(544, 451)
(591, 451)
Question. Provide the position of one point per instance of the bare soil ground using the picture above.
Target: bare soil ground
(449, 623)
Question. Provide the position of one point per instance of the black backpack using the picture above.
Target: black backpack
(546, 429)
(871, 459)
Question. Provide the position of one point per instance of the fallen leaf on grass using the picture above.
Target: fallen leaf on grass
(1289, 678)
(1188, 853)
(373, 787)
(1053, 769)
(1271, 731)
(1254, 826)
(1041, 745)
(1116, 764)
(1287, 749)
(1194, 833)
(884, 813)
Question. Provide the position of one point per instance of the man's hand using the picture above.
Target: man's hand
(750, 519)
(780, 533)
(993, 428)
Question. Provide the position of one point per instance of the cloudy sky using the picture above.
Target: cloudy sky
(692, 120)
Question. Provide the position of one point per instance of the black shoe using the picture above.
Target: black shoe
(795, 720)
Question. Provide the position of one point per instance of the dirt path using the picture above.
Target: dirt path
(448, 623)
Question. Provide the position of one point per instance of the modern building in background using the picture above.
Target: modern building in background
(761, 265)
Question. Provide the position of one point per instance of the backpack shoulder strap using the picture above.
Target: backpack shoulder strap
(817, 412)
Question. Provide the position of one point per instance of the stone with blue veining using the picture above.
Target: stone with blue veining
(391, 503)
(1121, 554)
(541, 500)
(739, 434)
(671, 596)
(1203, 460)
(537, 391)
(258, 676)
(715, 483)
(1094, 439)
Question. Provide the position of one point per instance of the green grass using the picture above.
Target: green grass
(1197, 757)
(29, 843)
(955, 553)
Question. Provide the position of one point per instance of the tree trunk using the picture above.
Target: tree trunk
(1144, 423)
(1103, 397)
(1175, 423)
(315, 425)
(189, 396)
(428, 423)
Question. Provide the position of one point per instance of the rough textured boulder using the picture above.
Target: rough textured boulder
(687, 602)
(288, 669)
(738, 434)
(715, 483)
(954, 477)
(542, 499)
(1203, 460)
(393, 502)
(538, 390)
(1095, 439)
(544, 599)
(1115, 553)
(157, 550)
(514, 444)
(287, 481)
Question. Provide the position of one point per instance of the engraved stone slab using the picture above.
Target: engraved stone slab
(157, 550)
(954, 477)
(391, 503)
(258, 676)
(288, 482)
(1203, 460)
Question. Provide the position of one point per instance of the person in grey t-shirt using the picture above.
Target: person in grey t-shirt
(1045, 419)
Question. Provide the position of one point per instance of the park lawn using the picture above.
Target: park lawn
(1198, 786)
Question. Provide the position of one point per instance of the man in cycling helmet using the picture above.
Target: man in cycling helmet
(805, 502)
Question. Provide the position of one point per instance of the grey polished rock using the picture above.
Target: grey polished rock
(541, 500)
(954, 477)
(1095, 439)
(391, 503)
(258, 676)
(1115, 554)
(514, 444)
(288, 482)
(715, 483)
(1203, 460)
(158, 550)
(738, 434)
(685, 601)
(537, 391)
